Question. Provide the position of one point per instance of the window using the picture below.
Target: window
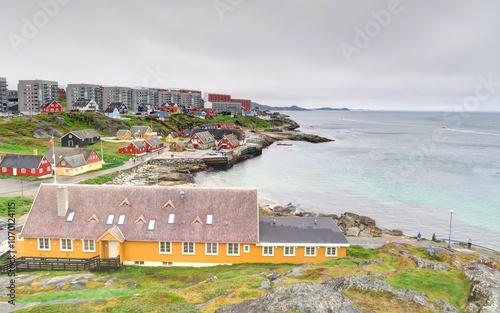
(40, 170)
(188, 248)
(138, 262)
(233, 249)
(70, 217)
(246, 248)
(33, 171)
(210, 218)
(23, 170)
(4, 169)
(151, 224)
(88, 245)
(171, 218)
(165, 247)
(212, 248)
(121, 219)
(110, 219)
(66, 245)
(268, 251)
(310, 251)
(289, 251)
(331, 251)
(43, 244)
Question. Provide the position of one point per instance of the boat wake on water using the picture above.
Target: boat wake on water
(470, 132)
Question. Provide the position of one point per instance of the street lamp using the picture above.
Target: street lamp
(449, 237)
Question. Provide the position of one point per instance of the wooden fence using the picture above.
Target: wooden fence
(61, 264)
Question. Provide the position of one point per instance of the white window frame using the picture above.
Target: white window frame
(210, 219)
(151, 224)
(211, 246)
(121, 219)
(290, 252)
(87, 244)
(171, 218)
(46, 244)
(71, 216)
(232, 245)
(307, 251)
(165, 244)
(267, 251)
(328, 251)
(246, 248)
(66, 244)
(110, 219)
(188, 246)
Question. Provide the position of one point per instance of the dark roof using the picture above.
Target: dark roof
(174, 135)
(67, 154)
(154, 141)
(46, 104)
(235, 213)
(218, 133)
(120, 106)
(300, 230)
(84, 133)
(139, 130)
(21, 161)
(82, 103)
(75, 160)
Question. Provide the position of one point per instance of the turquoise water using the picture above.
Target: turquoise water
(405, 169)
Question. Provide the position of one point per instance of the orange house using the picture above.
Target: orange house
(170, 226)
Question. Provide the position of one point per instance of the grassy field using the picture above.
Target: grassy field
(182, 289)
(18, 202)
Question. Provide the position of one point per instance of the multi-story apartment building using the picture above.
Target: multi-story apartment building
(224, 106)
(190, 98)
(76, 93)
(116, 94)
(169, 97)
(34, 93)
(144, 96)
(3, 94)
(222, 98)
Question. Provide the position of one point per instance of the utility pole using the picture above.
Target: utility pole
(22, 197)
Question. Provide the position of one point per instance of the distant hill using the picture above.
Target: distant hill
(332, 109)
(264, 107)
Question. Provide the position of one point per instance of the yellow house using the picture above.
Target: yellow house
(74, 161)
(172, 137)
(141, 132)
(170, 226)
(123, 134)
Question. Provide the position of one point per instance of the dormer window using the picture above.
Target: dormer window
(121, 219)
(171, 218)
(70, 217)
(110, 219)
(210, 218)
(151, 224)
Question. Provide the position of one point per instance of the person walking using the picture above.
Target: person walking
(419, 236)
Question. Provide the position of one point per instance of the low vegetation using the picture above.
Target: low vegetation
(22, 205)
(188, 289)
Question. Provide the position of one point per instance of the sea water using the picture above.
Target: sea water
(407, 170)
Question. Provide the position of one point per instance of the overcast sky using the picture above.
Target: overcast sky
(394, 55)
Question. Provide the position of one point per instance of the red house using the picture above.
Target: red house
(228, 142)
(135, 147)
(51, 107)
(153, 144)
(25, 165)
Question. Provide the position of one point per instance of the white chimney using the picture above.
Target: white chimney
(62, 200)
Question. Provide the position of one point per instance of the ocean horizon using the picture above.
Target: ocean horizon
(405, 169)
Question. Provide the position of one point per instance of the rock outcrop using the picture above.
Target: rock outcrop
(485, 294)
(328, 297)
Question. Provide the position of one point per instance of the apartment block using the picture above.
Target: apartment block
(169, 97)
(4, 92)
(190, 98)
(144, 96)
(116, 94)
(224, 106)
(223, 98)
(34, 93)
(76, 93)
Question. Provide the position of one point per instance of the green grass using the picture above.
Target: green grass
(451, 286)
(361, 253)
(78, 294)
(4, 204)
(99, 180)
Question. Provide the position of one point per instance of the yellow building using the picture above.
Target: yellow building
(170, 226)
(74, 161)
(142, 132)
(172, 137)
(123, 134)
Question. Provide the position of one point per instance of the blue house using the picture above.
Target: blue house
(160, 114)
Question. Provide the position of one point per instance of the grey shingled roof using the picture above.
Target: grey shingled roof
(21, 161)
(138, 144)
(205, 137)
(75, 160)
(66, 153)
(300, 230)
(233, 139)
(139, 130)
(218, 133)
(85, 133)
(235, 213)
(122, 132)
(154, 141)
